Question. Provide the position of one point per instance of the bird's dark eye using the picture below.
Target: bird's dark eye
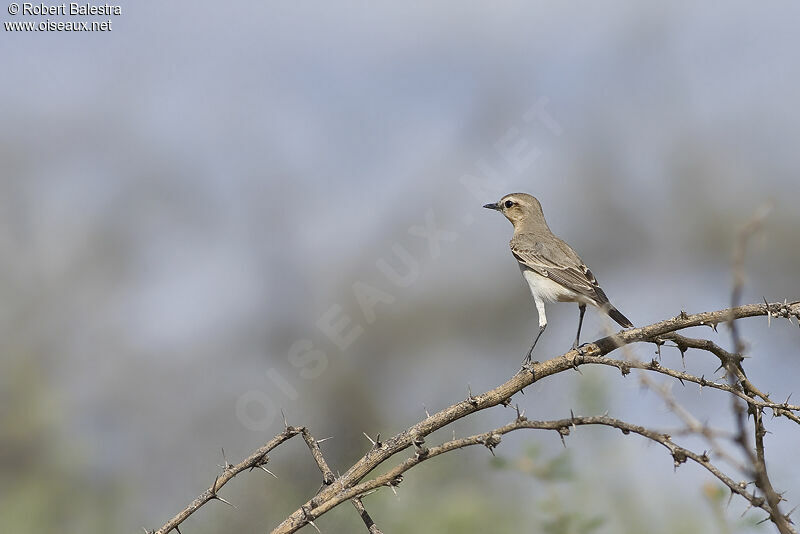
(509, 204)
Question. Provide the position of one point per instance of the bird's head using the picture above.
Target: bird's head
(519, 208)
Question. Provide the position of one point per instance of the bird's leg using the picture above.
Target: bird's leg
(542, 326)
(530, 352)
(582, 309)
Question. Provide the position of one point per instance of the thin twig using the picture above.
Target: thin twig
(368, 522)
(781, 409)
(756, 458)
(313, 445)
(257, 459)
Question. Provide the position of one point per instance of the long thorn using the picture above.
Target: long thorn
(267, 471)
(223, 500)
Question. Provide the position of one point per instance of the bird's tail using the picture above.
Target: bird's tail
(612, 312)
(617, 316)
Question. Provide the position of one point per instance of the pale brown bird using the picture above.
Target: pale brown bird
(552, 269)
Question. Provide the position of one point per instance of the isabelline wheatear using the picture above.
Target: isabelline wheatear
(552, 269)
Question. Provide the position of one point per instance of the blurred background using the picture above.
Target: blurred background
(216, 212)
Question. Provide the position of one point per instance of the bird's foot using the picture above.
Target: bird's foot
(580, 348)
(528, 358)
(528, 366)
(527, 363)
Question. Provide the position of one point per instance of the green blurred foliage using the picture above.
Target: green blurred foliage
(47, 484)
(533, 463)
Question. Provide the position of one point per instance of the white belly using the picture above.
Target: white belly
(542, 288)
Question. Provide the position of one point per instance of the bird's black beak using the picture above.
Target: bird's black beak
(493, 206)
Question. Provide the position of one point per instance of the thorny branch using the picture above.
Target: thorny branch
(368, 522)
(492, 439)
(736, 377)
(313, 445)
(258, 459)
(352, 486)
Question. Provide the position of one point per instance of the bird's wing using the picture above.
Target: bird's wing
(557, 261)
